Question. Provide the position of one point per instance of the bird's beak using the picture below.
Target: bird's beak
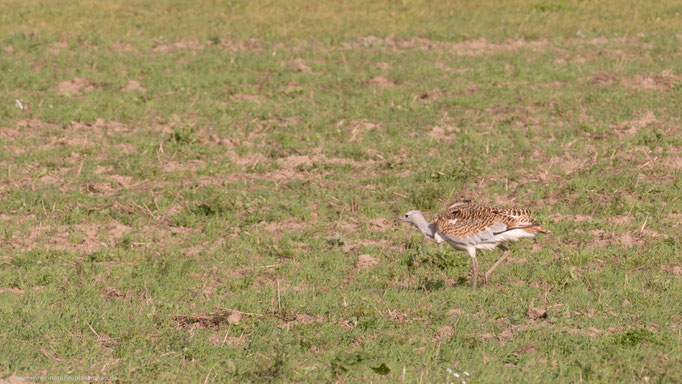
(399, 219)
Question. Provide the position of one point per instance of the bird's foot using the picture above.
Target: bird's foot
(486, 278)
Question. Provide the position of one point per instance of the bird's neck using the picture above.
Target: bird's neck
(429, 230)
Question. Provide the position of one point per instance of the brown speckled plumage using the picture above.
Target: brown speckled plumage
(464, 218)
(467, 226)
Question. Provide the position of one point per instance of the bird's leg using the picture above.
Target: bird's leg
(505, 253)
(472, 253)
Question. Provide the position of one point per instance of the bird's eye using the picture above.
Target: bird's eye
(406, 215)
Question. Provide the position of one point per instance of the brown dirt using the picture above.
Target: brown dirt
(602, 78)
(211, 320)
(455, 312)
(124, 181)
(381, 224)
(430, 96)
(75, 86)
(125, 148)
(366, 261)
(123, 47)
(557, 217)
(536, 313)
(384, 65)
(476, 47)
(303, 318)
(113, 293)
(631, 127)
(192, 45)
(619, 220)
(591, 332)
(11, 290)
(674, 268)
(187, 166)
(99, 127)
(445, 332)
(359, 127)
(299, 65)
(281, 175)
(287, 225)
(91, 236)
(382, 82)
(134, 86)
(663, 81)
(56, 47)
(674, 162)
(294, 161)
(398, 316)
(441, 133)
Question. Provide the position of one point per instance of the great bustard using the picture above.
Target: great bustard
(467, 226)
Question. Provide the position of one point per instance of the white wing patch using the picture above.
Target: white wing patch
(438, 238)
(513, 235)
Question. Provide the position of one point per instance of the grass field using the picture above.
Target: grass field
(205, 192)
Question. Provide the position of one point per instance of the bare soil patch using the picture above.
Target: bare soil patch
(475, 47)
(382, 82)
(80, 237)
(674, 268)
(186, 166)
(359, 127)
(75, 86)
(299, 65)
(134, 86)
(430, 96)
(291, 224)
(381, 224)
(445, 332)
(536, 313)
(123, 47)
(602, 78)
(192, 45)
(366, 261)
(557, 217)
(438, 132)
(56, 47)
(99, 127)
(212, 319)
(663, 81)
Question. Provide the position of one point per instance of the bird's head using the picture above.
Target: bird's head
(409, 217)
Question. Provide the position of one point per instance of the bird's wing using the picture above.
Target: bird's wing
(521, 218)
(469, 224)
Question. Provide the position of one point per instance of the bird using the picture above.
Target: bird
(467, 226)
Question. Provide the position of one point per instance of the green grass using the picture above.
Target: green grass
(270, 147)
